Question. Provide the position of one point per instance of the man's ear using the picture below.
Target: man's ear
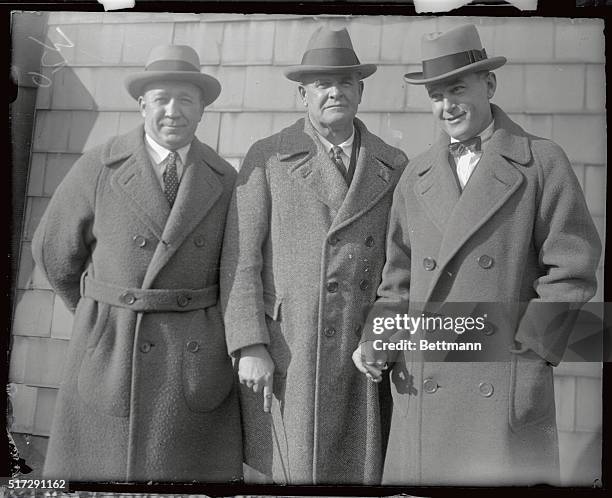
(361, 86)
(141, 105)
(302, 92)
(491, 81)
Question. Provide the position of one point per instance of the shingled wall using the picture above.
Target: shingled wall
(553, 85)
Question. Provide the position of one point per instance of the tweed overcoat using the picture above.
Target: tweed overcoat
(302, 259)
(148, 391)
(519, 234)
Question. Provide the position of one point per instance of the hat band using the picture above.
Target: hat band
(171, 65)
(330, 57)
(447, 63)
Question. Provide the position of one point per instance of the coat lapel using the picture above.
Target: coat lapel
(199, 189)
(310, 166)
(374, 173)
(136, 183)
(437, 188)
(492, 183)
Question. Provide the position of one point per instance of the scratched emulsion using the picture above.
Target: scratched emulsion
(446, 5)
(117, 4)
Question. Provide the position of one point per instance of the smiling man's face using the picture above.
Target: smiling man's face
(461, 105)
(332, 99)
(171, 112)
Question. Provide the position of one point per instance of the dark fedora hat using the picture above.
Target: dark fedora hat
(174, 62)
(451, 54)
(329, 51)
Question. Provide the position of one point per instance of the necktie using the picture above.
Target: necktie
(457, 149)
(170, 177)
(336, 156)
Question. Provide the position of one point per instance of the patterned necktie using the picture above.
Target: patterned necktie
(170, 177)
(457, 149)
(336, 156)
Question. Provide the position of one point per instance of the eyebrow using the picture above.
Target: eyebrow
(441, 86)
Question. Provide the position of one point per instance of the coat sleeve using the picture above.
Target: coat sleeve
(62, 243)
(568, 248)
(394, 289)
(242, 260)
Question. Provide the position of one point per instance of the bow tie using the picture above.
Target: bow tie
(457, 149)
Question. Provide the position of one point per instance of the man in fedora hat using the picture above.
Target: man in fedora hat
(131, 242)
(495, 218)
(301, 262)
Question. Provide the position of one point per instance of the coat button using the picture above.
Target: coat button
(183, 300)
(193, 346)
(199, 241)
(485, 389)
(489, 328)
(430, 386)
(145, 347)
(364, 285)
(329, 331)
(485, 261)
(332, 287)
(139, 240)
(369, 241)
(429, 264)
(333, 241)
(127, 298)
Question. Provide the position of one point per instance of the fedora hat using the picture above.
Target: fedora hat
(450, 54)
(173, 62)
(329, 51)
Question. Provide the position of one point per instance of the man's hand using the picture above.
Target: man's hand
(256, 371)
(371, 368)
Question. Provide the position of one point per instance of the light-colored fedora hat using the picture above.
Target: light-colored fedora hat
(450, 54)
(329, 51)
(174, 62)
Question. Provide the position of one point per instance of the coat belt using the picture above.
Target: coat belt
(149, 299)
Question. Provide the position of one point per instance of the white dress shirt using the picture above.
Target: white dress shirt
(346, 146)
(467, 162)
(158, 155)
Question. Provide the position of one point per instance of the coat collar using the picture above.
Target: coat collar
(309, 164)
(495, 179)
(135, 181)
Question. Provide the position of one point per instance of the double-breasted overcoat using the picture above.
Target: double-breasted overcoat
(518, 239)
(148, 389)
(302, 259)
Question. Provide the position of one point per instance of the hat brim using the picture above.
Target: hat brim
(210, 86)
(297, 73)
(483, 65)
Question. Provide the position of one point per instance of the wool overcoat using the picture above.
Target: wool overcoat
(520, 235)
(302, 259)
(148, 391)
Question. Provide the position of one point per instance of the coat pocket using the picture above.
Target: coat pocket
(532, 397)
(207, 371)
(103, 380)
(278, 348)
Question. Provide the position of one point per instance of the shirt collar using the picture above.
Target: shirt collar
(159, 153)
(346, 146)
(484, 135)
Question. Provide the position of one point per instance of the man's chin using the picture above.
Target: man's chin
(175, 141)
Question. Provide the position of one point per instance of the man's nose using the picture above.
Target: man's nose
(448, 104)
(335, 91)
(172, 108)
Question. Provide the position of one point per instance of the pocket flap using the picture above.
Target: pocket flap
(272, 305)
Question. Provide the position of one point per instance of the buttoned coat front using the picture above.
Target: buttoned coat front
(301, 262)
(148, 389)
(519, 239)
